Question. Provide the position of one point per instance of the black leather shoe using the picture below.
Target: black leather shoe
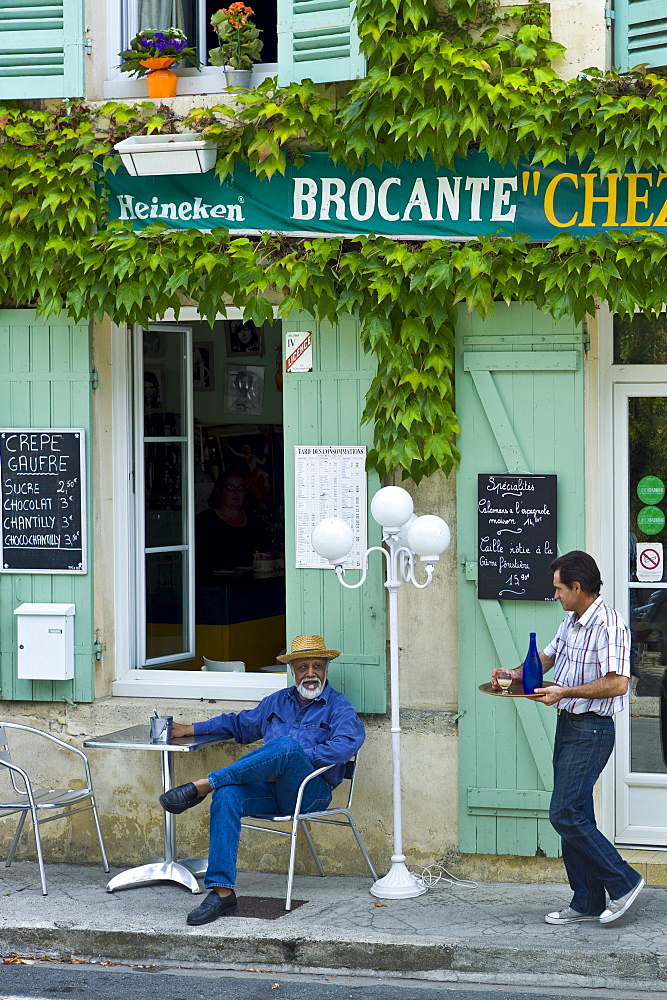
(214, 906)
(178, 799)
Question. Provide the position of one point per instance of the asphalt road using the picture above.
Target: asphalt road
(56, 981)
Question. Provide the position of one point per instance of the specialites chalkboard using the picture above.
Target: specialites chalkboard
(516, 532)
(42, 487)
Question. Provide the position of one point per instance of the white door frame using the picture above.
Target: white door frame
(627, 832)
(616, 384)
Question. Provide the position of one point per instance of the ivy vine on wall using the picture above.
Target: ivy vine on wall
(438, 83)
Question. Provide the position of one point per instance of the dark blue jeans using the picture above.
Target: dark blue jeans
(245, 789)
(582, 748)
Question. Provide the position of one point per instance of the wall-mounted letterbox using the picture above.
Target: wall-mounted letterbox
(45, 641)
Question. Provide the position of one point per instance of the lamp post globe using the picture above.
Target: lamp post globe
(429, 536)
(391, 507)
(402, 536)
(332, 539)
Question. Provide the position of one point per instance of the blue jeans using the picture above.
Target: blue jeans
(244, 789)
(582, 747)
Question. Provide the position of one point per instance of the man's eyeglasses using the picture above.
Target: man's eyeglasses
(234, 489)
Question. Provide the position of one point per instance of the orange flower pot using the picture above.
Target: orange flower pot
(160, 80)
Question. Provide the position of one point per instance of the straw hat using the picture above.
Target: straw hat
(305, 646)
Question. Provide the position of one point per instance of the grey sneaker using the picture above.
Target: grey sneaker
(617, 907)
(567, 916)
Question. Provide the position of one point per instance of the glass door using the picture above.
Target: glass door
(640, 455)
(163, 493)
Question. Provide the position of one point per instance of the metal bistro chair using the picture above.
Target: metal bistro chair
(299, 819)
(55, 801)
(225, 666)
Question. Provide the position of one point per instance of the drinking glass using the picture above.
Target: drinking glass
(504, 678)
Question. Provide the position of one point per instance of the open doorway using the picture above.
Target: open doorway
(211, 524)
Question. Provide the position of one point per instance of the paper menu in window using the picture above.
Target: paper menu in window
(329, 481)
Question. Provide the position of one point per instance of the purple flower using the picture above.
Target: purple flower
(160, 42)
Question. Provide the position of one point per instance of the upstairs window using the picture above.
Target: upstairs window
(303, 39)
(317, 40)
(640, 33)
(127, 17)
(193, 17)
(42, 49)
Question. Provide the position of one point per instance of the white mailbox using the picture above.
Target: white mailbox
(45, 641)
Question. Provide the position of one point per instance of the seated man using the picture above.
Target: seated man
(304, 727)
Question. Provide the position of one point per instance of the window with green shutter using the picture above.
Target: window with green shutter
(317, 40)
(640, 33)
(42, 47)
(45, 381)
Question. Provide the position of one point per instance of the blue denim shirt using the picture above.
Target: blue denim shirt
(328, 729)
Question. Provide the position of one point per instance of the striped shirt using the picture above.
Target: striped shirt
(586, 649)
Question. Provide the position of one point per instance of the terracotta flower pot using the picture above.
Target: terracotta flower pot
(160, 80)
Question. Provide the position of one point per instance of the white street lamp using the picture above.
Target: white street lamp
(405, 537)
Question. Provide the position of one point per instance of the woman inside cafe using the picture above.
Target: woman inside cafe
(226, 534)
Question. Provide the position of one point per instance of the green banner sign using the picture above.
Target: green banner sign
(414, 201)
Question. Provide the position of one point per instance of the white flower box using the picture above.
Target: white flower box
(181, 153)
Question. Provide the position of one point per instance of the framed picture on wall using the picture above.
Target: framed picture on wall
(154, 344)
(244, 389)
(203, 375)
(244, 338)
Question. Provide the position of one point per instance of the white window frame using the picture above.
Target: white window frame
(129, 681)
(208, 80)
(185, 439)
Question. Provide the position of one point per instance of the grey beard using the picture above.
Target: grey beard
(310, 694)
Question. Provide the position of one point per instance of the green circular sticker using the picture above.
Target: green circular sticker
(650, 520)
(650, 489)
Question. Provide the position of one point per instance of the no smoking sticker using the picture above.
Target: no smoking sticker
(649, 562)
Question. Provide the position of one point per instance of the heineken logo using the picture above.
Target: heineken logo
(194, 210)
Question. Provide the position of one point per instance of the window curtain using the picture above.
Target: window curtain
(161, 14)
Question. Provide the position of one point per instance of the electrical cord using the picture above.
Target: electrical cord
(430, 875)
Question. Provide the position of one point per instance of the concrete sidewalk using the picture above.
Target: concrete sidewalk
(494, 933)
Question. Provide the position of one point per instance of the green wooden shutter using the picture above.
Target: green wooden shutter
(640, 33)
(45, 381)
(518, 414)
(317, 40)
(42, 48)
(324, 407)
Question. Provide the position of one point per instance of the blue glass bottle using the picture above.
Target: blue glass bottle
(532, 675)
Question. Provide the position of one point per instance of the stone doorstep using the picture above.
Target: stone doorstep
(651, 865)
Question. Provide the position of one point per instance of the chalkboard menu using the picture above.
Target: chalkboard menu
(516, 532)
(42, 487)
